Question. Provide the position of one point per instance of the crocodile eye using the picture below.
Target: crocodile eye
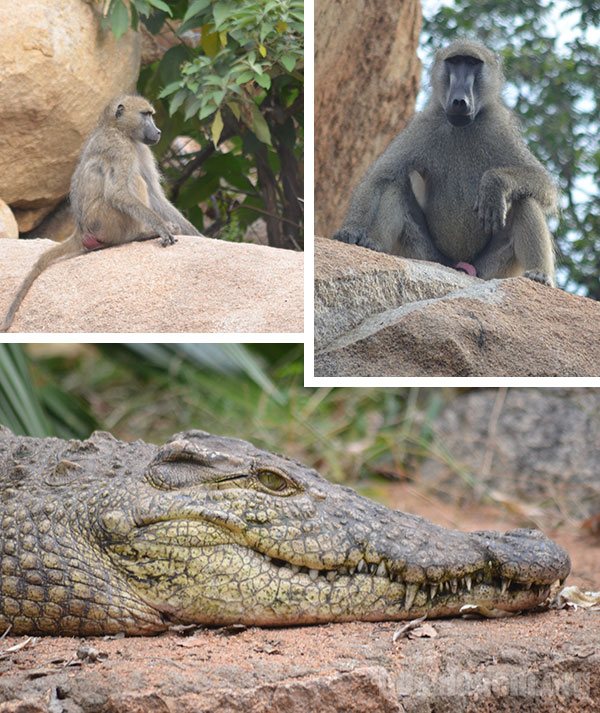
(272, 481)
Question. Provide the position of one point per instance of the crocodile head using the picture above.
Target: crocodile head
(219, 531)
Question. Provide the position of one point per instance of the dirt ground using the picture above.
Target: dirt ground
(549, 661)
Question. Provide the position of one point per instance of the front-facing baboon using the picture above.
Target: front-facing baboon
(116, 196)
(459, 186)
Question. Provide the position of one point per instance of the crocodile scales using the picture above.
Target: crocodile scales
(102, 536)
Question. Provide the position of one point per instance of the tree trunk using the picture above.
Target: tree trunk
(366, 81)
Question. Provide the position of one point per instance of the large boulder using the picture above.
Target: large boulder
(59, 70)
(533, 445)
(196, 285)
(8, 224)
(380, 315)
(366, 81)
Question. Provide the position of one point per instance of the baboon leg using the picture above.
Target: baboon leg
(399, 226)
(524, 246)
(387, 224)
(498, 258)
(534, 250)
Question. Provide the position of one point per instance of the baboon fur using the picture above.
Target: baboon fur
(458, 194)
(115, 195)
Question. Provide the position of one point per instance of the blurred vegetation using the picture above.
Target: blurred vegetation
(254, 392)
(553, 86)
(233, 86)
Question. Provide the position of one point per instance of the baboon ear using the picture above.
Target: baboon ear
(120, 110)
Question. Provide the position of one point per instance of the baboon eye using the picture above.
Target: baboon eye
(120, 110)
(272, 481)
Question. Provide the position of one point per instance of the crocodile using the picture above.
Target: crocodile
(103, 536)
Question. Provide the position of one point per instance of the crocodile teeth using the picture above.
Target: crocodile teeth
(381, 570)
(295, 568)
(411, 593)
(469, 582)
(313, 574)
(454, 585)
(351, 570)
(343, 570)
(527, 585)
(505, 585)
(372, 568)
(331, 575)
(361, 566)
(432, 590)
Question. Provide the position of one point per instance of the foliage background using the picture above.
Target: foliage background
(255, 392)
(233, 84)
(551, 53)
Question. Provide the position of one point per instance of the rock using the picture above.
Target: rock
(533, 445)
(8, 224)
(367, 78)
(197, 285)
(473, 666)
(380, 315)
(59, 69)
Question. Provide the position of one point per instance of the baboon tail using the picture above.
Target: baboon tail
(65, 249)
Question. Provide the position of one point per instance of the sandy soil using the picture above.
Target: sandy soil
(548, 661)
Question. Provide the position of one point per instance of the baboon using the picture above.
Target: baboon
(115, 193)
(459, 186)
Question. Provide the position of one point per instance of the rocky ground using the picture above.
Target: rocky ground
(548, 661)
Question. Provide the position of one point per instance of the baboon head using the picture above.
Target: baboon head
(132, 115)
(465, 76)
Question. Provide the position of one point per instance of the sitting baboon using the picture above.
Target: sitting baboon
(459, 186)
(115, 194)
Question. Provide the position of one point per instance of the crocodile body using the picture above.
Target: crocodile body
(101, 536)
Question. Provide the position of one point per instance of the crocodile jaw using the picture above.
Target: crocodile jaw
(231, 583)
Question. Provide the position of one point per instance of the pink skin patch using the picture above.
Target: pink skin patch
(90, 242)
(466, 267)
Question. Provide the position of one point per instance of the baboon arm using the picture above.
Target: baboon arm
(170, 214)
(384, 215)
(132, 206)
(157, 199)
(528, 182)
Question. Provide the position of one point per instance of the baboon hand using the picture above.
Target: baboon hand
(354, 236)
(167, 239)
(491, 204)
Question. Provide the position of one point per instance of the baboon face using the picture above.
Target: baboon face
(463, 77)
(134, 117)
(151, 132)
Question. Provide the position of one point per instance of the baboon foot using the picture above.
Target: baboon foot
(167, 240)
(354, 237)
(539, 276)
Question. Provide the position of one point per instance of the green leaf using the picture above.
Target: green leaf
(245, 77)
(288, 62)
(177, 101)
(264, 80)
(260, 126)
(119, 18)
(222, 11)
(235, 109)
(216, 128)
(207, 110)
(192, 107)
(161, 6)
(169, 89)
(196, 7)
